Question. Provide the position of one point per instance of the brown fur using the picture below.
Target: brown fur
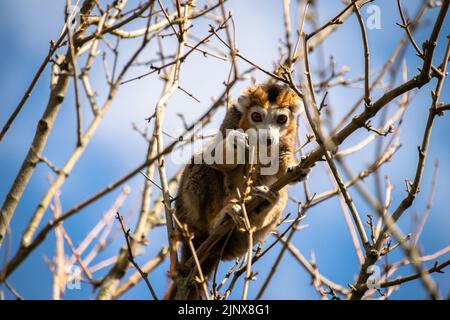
(205, 190)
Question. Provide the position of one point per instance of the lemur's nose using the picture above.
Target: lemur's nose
(269, 141)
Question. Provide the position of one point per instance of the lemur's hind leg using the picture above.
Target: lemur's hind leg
(269, 196)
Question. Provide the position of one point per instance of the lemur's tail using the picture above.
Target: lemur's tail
(175, 293)
(170, 293)
(179, 289)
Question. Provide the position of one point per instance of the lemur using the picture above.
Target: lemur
(206, 190)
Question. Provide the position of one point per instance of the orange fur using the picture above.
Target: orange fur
(286, 98)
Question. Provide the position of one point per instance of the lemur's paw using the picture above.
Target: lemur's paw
(237, 139)
(302, 174)
(234, 211)
(265, 193)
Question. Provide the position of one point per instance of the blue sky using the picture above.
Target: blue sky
(25, 30)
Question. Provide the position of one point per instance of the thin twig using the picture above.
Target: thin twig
(143, 274)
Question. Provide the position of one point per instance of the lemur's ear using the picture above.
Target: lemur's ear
(243, 103)
(297, 107)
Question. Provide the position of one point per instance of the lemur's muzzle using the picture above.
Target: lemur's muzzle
(268, 137)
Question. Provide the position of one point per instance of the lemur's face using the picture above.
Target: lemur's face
(269, 113)
(269, 124)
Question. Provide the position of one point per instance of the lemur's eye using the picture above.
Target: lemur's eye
(282, 119)
(256, 117)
